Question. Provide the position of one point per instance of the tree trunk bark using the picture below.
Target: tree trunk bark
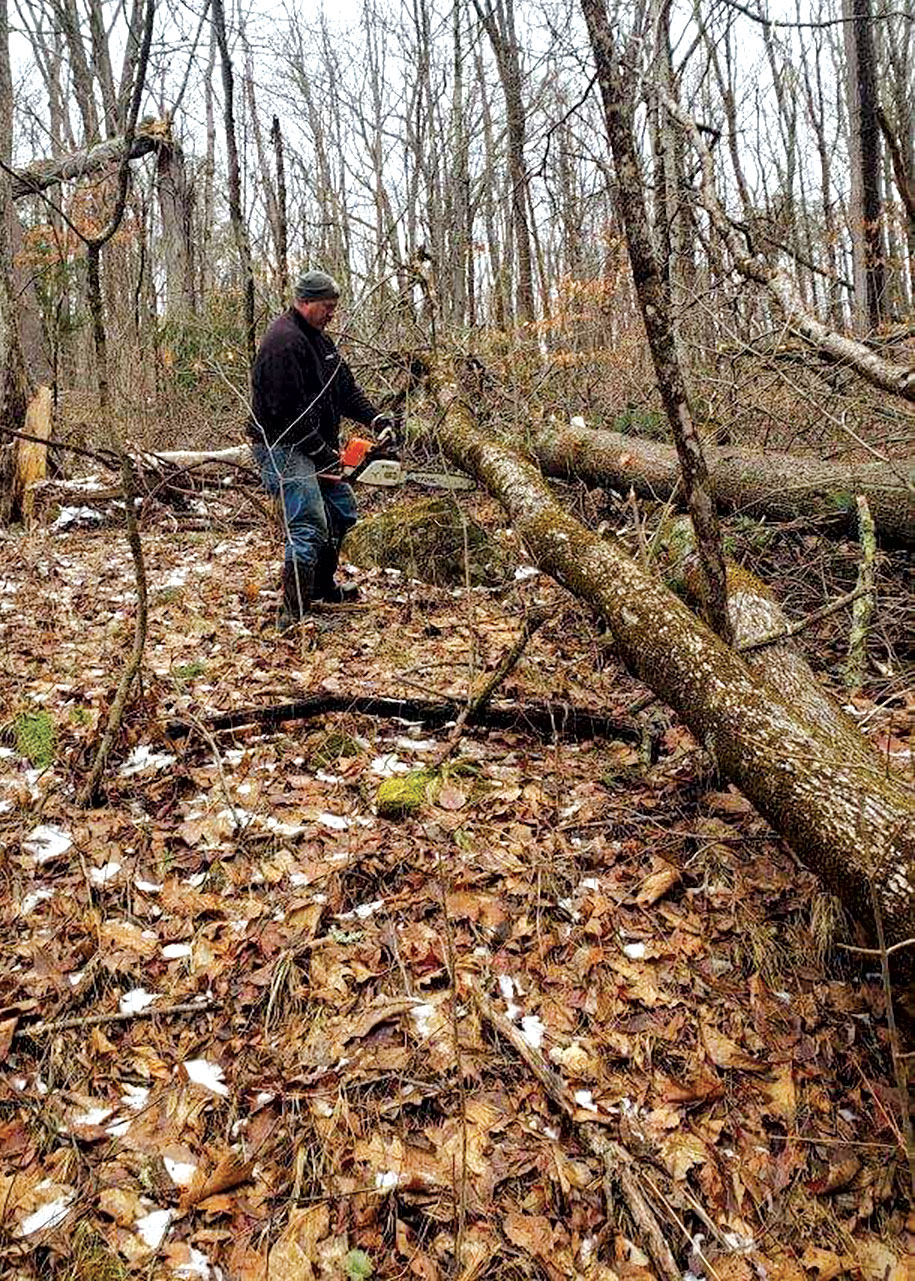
(756, 615)
(864, 156)
(236, 213)
(779, 486)
(844, 819)
(654, 300)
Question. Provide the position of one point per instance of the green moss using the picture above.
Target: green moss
(839, 500)
(331, 747)
(358, 1265)
(35, 737)
(431, 539)
(641, 422)
(403, 795)
(187, 671)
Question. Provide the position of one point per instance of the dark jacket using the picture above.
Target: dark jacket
(300, 389)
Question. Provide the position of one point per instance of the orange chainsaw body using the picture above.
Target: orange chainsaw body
(355, 450)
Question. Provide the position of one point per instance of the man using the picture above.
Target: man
(301, 388)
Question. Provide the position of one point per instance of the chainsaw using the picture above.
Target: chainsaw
(369, 463)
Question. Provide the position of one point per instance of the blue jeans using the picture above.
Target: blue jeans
(316, 512)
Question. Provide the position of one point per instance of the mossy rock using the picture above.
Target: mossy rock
(403, 795)
(330, 747)
(428, 539)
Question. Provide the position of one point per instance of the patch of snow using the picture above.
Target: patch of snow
(525, 571)
(143, 757)
(47, 842)
(388, 765)
(135, 1096)
(385, 1180)
(177, 578)
(422, 1016)
(416, 744)
(635, 951)
(327, 778)
(31, 901)
(152, 1227)
(196, 880)
(506, 987)
(264, 1097)
(102, 875)
(209, 1075)
(336, 822)
(532, 1030)
(847, 1115)
(180, 1172)
(174, 951)
(70, 516)
(136, 1000)
(198, 1265)
(590, 883)
(94, 1116)
(148, 887)
(46, 1216)
(362, 912)
(585, 1100)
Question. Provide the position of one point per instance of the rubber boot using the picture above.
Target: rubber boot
(298, 591)
(326, 587)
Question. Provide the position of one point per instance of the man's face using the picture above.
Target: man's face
(317, 311)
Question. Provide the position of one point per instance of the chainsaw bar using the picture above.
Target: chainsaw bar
(390, 472)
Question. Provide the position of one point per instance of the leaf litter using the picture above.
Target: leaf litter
(337, 1107)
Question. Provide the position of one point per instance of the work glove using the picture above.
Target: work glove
(387, 428)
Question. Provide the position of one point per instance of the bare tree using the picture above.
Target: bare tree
(498, 19)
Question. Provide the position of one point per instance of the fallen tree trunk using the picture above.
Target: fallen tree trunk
(779, 486)
(842, 816)
(755, 615)
(42, 174)
(561, 720)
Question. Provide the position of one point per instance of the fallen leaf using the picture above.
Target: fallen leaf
(825, 1263)
(656, 885)
(294, 1254)
(230, 1171)
(726, 1053)
(450, 797)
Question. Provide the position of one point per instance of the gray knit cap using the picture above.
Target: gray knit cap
(313, 286)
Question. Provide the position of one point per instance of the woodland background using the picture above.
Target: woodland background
(257, 1020)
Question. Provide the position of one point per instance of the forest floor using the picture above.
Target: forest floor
(291, 1076)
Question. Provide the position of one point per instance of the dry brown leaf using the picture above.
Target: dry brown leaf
(532, 1233)
(7, 1028)
(825, 1263)
(450, 797)
(781, 1094)
(681, 1151)
(726, 1053)
(656, 885)
(230, 1171)
(295, 1253)
(842, 1169)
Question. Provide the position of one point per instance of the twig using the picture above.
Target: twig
(88, 794)
(619, 1167)
(93, 1020)
(832, 607)
(535, 620)
(856, 664)
(876, 951)
(899, 1066)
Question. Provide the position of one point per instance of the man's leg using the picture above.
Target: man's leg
(289, 475)
(340, 510)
